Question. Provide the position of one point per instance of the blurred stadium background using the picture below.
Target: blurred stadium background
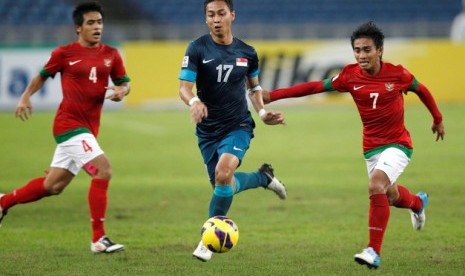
(297, 40)
(38, 22)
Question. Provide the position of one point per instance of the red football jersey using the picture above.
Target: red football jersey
(85, 73)
(379, 101)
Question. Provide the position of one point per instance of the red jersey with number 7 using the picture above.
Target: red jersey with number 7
(85, 73)
(379, 101)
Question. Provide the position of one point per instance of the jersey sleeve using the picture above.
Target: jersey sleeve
(408, 81)
(118, 72)
(189, 64)
(253, 70)
(338, 82)
(54, 64)
(301, 90)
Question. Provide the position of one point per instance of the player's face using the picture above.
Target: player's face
(219, 18)
(90, 33)
(367, 55)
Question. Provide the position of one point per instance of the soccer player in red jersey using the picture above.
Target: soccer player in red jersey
(377, 88)
(85, 67)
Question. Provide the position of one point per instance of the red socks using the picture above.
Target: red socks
(378, 219)
(32, 191)
(407, 200)
(98, 206)
(35, 190)
(379, 213)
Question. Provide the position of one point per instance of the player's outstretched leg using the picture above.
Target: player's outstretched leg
(274, 184)
(419, 218)
(368, 257)
(32, 191)
(105, 245)
(202, 253)
(2, 213)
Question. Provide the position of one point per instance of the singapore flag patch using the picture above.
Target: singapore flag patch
(241, 62)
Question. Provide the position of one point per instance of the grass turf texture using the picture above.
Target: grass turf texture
(159, 197)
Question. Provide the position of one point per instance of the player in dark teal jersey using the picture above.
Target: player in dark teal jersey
(220, 73)
(221, 67)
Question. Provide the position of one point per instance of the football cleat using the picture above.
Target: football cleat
(274, 184)
(105, 245)
(2, 213)
(419, 218)
(202, 253)
(369, 258)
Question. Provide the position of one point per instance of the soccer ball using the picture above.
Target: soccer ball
(219, 234)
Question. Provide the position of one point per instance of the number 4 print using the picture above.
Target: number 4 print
(86, 146)
(93, 74)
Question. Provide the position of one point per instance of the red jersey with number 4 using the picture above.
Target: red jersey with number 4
(379, 101)
(85, 73)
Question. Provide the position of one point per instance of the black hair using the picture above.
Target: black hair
(83, 8)
(369, 30)
(229, 3)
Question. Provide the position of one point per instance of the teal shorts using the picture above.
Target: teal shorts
(236, 142)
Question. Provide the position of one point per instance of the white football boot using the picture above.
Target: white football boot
(419, 218)
(274, 185)
(369, 258)
(202, 253)
(105, 245)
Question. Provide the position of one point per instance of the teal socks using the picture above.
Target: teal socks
(245, 181)
(221, 200)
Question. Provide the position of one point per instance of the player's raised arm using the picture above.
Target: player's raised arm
(255, 95)
(24, 107)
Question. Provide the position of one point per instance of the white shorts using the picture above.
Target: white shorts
(72, 154)
(392, 161)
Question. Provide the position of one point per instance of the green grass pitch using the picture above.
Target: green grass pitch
(159, 197)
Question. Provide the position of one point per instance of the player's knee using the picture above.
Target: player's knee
(376, 187)
(379, 183)
(55, 189)
(104, 173)
(223, 176)
(392, 200)
(393, 195)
